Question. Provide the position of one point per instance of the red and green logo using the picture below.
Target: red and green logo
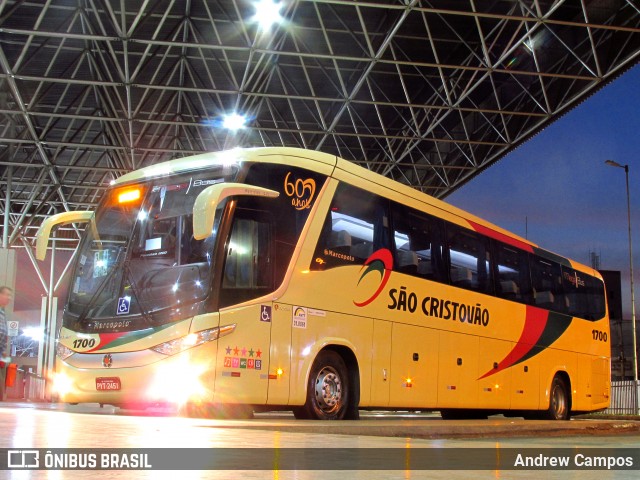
(380, 262)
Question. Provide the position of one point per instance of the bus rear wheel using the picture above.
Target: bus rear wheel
(559, 401)
(328, 389)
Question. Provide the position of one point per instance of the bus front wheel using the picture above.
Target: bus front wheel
(328, 391)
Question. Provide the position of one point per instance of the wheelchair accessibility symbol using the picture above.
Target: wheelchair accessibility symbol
(265, 314)
(123, 305)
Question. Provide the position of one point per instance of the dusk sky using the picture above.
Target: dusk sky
(558, 181)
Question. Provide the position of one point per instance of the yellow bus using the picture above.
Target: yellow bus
(285, 278)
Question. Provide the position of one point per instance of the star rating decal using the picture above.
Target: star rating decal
(243, 358)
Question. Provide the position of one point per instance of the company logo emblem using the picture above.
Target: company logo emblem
(300, 317)
(107, 360)
(300, 191)
(23, 459)
(380, 262)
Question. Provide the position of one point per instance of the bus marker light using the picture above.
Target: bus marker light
(408, 383)
(128, 196)
(279, 372)
(273, 376)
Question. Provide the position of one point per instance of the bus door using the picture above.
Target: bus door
(243, 356)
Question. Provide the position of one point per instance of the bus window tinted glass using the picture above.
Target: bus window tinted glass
(583, 294)
(547, 285)
(417, 243)
(513, 282)
(356, 226)
(265, 231)
(469, 260)
(248, 270)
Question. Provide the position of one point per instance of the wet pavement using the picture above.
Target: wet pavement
(51, 426)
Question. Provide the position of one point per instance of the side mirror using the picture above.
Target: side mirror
(44, 232)
(207, 201)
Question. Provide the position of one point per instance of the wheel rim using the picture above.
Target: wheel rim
(559, 402)
(328, 390)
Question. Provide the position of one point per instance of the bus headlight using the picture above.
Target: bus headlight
(63, 352)
(62, 384)
(193, 340)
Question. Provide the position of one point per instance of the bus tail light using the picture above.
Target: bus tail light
(193, 340)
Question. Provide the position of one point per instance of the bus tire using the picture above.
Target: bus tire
(559, 400)
(328, 390)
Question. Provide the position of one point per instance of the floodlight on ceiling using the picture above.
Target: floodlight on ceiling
(35, 333)
(234, 121)
(267, 13)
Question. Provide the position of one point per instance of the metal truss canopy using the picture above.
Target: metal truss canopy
(428, 93)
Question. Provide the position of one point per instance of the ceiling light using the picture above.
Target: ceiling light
(267, 13)
(234, 121)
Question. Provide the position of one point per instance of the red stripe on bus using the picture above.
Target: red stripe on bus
(488, 232)
(106, 339)
(534, 324)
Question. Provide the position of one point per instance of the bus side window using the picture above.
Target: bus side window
(248, 268)
(355, 227)
(596, 299)
(417, 243)
(513, 282)
(469, 260)
(546, 278)
(584, 294)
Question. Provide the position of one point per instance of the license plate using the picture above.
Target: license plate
(105, 384)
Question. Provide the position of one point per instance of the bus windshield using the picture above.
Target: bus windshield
(138, 264)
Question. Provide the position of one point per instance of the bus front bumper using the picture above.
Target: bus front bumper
(95, 378)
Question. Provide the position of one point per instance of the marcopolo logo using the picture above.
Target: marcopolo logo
(380, 262)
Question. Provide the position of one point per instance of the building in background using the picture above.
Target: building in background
(621, 331)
